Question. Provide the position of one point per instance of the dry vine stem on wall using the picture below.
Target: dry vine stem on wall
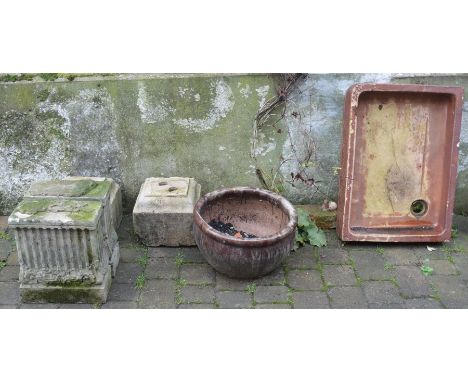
(303, 157)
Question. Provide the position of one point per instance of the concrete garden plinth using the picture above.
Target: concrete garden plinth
(104, 190)
(163, 213)
(62, 250)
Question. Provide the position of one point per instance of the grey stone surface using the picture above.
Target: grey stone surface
(234, 299)
(412, 282)
(161, 268)
(272, 306)
(191, 255)
(127, 273)
(167, 252)
(422, 303)
(120, 305)
(339, 275)
(443, 267)
(387, 306)
(163, 212)
(197, 294)
(131, 254)
(303, 258)
(226, 283)
(452, 290)
(158, 294)
(39, 306)
(382, 293)
(347, 297)
(371, 266)
(333, 255)
(197, 274)
(400, 255)
(162, 293)
(12, 259)
(123, 292)
(304, 280)
(5, 249)
(77, 306)
(277, 277)
(266, 294)
(197, 306)
(310, 300)
(9, 273)
(9, 293)
(461, 263)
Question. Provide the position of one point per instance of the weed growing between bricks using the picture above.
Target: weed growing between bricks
(141, 279)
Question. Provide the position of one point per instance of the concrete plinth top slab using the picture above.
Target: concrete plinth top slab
(159, 195)
(56, 212)
(172, 187)
(71, 188)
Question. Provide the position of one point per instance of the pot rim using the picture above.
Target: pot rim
(270, 196)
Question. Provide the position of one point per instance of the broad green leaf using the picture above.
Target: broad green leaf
(316, 236)
(303, 219)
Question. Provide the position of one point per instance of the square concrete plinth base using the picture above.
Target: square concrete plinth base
(92, 294)
(163, 213)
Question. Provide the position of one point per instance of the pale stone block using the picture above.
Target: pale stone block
(163, 212)
(105, 190)
(62, 250)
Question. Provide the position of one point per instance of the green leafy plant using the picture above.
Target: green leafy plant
(251, 288)
(389, 267)
(454, 233)
(307, 231)
(140, 281)
(2, 264)
(143, 260)
(426, 270)
(5, 236)
(380, 251)
(179, 259)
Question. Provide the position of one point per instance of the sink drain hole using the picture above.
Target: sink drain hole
(419, 207)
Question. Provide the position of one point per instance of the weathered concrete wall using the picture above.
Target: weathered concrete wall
(136, 126)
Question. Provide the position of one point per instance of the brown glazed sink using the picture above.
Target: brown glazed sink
(399, 162)
(265, 214)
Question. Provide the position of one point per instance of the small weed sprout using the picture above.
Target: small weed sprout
(143, 260)
(251, 288)
(5, 236)
(389, 267)
(179, 259)
(2, 264)
(380, 251)
(426, 270)
(140, 281)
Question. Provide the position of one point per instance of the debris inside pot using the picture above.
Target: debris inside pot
(229, 229)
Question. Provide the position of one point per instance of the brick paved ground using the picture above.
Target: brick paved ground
(338, 276)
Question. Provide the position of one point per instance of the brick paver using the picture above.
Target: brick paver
(352, 275)
(197, 274)
(339, 275)
(266, 294)
(382, 293)
(347, 297)
(304, 300)
(412, 281)
(305, 280)
(234, 299)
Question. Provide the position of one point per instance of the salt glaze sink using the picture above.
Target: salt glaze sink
(399, 162)
(265, 214)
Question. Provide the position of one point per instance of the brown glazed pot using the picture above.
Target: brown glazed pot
(265, 214)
